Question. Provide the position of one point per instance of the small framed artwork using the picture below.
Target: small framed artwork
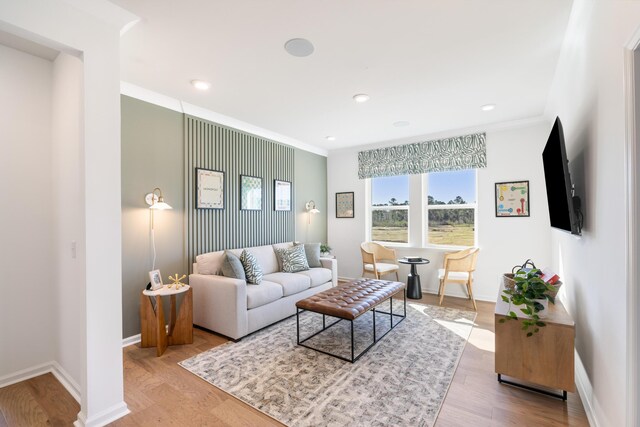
(250, 193)
(209, 189)
(281, 195)
(344, 205)
(512, 199)
(156, 280)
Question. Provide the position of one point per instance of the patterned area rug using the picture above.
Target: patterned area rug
(401, 381)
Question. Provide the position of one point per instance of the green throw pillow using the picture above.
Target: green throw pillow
(252, 269)
(232, 267)
(312, 250)
(294, 259)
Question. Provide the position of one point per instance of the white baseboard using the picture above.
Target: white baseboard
(585, 390)
(35, 371)
(103, 418)
(134, 339)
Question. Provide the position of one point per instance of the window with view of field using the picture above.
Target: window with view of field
(390, 209)
(450, 204)
(451, 208)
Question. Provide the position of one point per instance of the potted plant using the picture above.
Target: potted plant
(325, 249)
(532, 294)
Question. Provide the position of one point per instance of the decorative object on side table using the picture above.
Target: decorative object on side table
(156, 280)
(512, 199)
(176, 281)
(532, 292)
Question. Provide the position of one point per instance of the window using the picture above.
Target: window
(448, 200)
(451, 208)
(390, 209)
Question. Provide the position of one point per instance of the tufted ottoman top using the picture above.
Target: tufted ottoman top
(350, 300)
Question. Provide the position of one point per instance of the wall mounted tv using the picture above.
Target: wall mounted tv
(564, 208)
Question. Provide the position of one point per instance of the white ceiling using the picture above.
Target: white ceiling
(432, 63)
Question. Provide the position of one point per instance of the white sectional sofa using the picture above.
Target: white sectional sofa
(233, 308)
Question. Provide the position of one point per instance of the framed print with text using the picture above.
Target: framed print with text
(281, 195)
(209, 189)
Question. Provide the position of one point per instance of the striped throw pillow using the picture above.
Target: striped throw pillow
(252, 269)
(293, 259)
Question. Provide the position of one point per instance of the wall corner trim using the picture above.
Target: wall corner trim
(35, 371)
(103, 418)
(585, 390)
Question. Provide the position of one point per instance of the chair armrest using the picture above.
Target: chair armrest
(220, 304)
(331, 264)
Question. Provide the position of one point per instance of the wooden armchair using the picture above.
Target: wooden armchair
(459, 268)
(378, 260)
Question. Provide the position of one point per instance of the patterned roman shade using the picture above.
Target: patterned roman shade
(448, 154)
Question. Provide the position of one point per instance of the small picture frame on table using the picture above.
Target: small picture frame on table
(156, 280)
(512, 199)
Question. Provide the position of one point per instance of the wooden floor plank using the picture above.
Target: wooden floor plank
(161, 393)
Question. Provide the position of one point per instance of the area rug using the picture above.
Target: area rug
(401, 381)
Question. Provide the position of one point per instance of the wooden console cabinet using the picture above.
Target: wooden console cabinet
(545, 359)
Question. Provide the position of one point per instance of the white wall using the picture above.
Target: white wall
(512, 154)
(27, 313)
(68, 214)
(90, 28)
(588, 97)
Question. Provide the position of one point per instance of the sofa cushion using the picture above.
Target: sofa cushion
(318, 276)
(252, 268)
(293, 259)
(210, 263)
(266, 258)
(264, 294)
(277, 246)
(291, 283)
(312, 250)
(232, 267)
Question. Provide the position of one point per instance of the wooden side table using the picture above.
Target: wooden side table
(545, 359)
(153, 331)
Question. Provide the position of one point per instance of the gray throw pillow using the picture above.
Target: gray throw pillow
(294, 259)
(232, 267)
(252, 268)
(312, 250)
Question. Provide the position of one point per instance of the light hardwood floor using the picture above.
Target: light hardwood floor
(161, 393)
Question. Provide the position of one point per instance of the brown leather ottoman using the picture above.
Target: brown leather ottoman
(348, 302)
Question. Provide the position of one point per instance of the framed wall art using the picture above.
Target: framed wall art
(344, 205)
(209, 189)
(281, 195)
(250, 193)
(512, 199)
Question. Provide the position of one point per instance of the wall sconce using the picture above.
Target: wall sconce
(156, 203)
(311, 209)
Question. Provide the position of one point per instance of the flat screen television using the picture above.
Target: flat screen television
(564, 209)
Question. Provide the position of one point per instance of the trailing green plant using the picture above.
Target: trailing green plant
(324, 248)
(528, 291)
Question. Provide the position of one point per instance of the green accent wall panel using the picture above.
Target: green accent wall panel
(212, 146)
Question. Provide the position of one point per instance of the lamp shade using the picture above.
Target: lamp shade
(161, 206)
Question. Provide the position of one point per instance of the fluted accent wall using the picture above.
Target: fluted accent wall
(212, 146)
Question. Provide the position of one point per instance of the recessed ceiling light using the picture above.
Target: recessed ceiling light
(361, 97)
(488, 107)
(330, 138)
(299, 47)
(201, 84)
(401, 124)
